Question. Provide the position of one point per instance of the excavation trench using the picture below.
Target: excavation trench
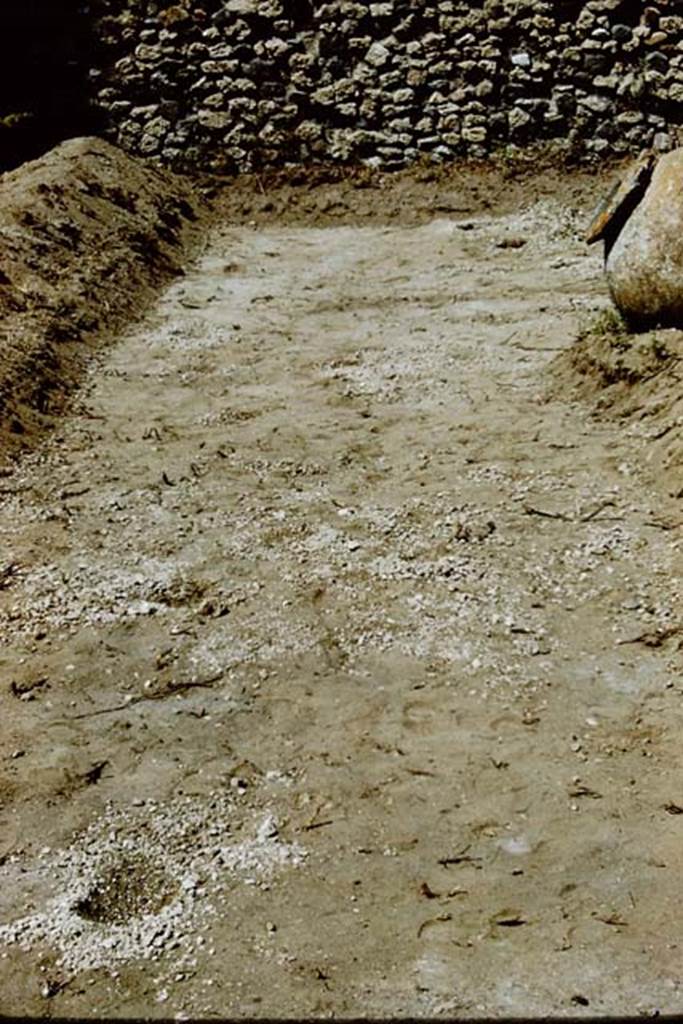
(322, 607)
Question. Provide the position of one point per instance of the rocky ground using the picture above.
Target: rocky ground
(342, 633)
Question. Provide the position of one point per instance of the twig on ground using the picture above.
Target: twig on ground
(171, 690)
(654, 637)
(531, 511)
(433, 920)
(607, 503)
(662, 525)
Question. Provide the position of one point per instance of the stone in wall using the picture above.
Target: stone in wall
(228, 85)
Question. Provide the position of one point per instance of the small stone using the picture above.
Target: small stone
(477, 133)
(518, 121)
(214, 119)
(377, 55)
(662, 142)
(622, 33)
(597, 104)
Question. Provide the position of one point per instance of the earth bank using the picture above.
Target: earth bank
(88, 237)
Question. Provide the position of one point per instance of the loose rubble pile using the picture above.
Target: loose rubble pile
(228, 85)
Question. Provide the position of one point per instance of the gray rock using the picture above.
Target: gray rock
(518, 121)
(597, 104)
(644, 267)
(148, 54)
(377, 55)
(662, 142)
(153, 136)
(521, 60)
(242, 6)
(214, 119)
(475, 133)
(622, 33)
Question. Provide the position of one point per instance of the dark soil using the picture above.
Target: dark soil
(332, 195)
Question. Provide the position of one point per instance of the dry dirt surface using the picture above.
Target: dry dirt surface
(341, 663)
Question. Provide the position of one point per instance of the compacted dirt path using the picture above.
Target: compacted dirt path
(340, 665)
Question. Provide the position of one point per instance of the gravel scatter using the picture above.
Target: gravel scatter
(135, 883)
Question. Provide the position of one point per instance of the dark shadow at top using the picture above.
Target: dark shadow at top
(44, 55)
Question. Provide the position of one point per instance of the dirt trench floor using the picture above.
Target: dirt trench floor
(341, 667)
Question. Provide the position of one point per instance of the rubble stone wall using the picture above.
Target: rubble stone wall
(226, 85)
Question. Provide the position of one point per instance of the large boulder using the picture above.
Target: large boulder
(644, 265)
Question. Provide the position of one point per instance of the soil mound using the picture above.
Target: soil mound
(636, 378)
(87, 235)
